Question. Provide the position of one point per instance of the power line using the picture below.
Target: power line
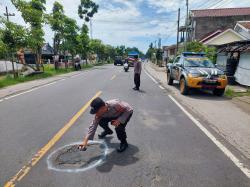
(216, 3)
(226, 3)
(205, 4)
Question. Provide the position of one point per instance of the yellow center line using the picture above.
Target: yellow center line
(25, 169)
(114, 76)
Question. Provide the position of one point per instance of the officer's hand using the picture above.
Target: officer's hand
(83, 146)
(115, 123)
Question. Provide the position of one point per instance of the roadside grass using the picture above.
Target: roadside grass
(9, 80)
(231, 93)
(49, 71)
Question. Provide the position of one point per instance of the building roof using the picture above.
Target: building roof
(47, 49)
(237, 46)
(245, 24)
(210, 35)
(224, 12)
(208, 41)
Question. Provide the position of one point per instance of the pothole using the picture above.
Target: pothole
(70, 159)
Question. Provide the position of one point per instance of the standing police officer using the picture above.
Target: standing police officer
(137, 73)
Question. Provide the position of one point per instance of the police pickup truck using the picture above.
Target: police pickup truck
(195, 70)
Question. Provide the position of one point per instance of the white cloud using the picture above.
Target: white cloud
(124, 21)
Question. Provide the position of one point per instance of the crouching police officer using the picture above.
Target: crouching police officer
(115, 111)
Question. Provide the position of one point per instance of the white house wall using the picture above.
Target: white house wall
(242, 74)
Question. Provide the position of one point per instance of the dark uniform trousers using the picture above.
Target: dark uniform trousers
(120, 130)
(137, 80)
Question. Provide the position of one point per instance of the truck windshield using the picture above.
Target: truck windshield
(198, 62)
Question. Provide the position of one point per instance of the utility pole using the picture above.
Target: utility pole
(91, 29)
(159, 43)
(159, 40)
(178, 28)
(7, 14)
(186, 26)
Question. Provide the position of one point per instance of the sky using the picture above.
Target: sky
(131, 22)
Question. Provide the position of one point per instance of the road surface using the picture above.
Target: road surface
(166, 148)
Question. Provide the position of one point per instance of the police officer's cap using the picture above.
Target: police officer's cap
(96, 104)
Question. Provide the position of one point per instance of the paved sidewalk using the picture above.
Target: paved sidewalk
(221, 113)
(15, 89)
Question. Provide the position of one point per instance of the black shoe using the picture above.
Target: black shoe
(104, 134)
(123, 147)
(135, 88)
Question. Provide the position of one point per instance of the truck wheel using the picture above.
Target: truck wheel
(169, 79)
(219, 92)
(184, 87)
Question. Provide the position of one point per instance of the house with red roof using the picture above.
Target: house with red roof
(220, 37)
(208, 21)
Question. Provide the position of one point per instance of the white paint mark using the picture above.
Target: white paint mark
(228, 153)
(161, 87)
(97, 163)
(1, 100)
(28, 91)
(76, 75)
(48, 84)
(151, 77)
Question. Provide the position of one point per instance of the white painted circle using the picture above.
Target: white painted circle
(93, 165)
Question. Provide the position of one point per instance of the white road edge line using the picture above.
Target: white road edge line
(151, 77)
(228, 153)
(76, 75)
(28, 91)
(161, 87)
(6, 98)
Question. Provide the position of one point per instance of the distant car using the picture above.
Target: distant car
(118, 60)
(195, 70)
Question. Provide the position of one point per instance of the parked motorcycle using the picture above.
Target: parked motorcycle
(126, 67)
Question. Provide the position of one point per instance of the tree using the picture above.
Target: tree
(121, 50)
(69, 36)
(33, 12)
(12, 38)
(83, 42)
(130, 49)
(3, 48)
(109, 52)
(87, 9)
(195, 47)
(56, 20)
(151, 52)
(199, 47)
(97, 47)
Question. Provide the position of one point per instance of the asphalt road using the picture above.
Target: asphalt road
(165, 147)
